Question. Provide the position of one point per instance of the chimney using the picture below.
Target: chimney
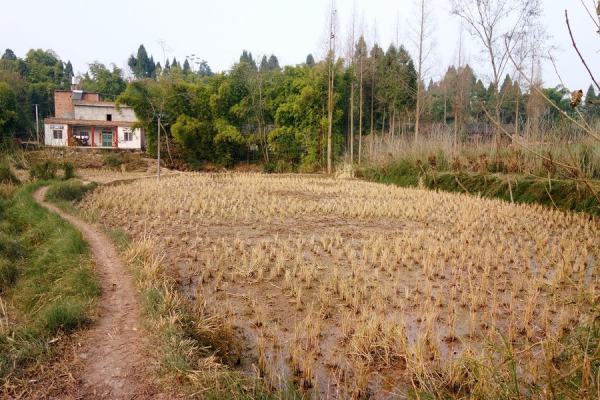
(74, 83)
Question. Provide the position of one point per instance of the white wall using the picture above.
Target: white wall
(98, 113)
(135, 143)
(49, 135)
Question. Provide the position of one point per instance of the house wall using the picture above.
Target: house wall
(98, 113)
(49, 135)
(135, 143)
(87, 96)
(63, 104)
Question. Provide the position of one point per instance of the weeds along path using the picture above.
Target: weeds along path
(112, 351)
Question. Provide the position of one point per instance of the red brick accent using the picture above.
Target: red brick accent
(63, 104)
(91, 97)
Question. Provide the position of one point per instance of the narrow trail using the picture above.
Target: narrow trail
(112, 351)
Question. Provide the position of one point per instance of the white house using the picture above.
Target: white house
(83, 120)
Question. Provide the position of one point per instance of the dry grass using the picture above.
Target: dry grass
(356, 289)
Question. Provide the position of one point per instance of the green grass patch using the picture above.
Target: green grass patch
(71, 190)
(46, 280)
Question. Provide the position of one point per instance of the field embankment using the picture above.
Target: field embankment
(563, 194)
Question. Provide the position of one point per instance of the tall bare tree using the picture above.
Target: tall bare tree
(422, 33)
(361, 53)
(495, 23)
(352, 68)
(330, 94)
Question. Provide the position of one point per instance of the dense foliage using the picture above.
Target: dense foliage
(260, 111)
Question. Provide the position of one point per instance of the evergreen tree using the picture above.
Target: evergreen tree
(479, 97)
(273, 63)
(247, 58)
(592, 103)
(8, 111)
(141, 65)
(186, 67)
(9, 55)
(310, 60)
(69, 74)
(204, 69)
(150, 68)
(507, 100)
(264, 64)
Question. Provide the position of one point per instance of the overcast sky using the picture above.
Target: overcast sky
(218, 30)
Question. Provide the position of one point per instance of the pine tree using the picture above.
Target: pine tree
(141, 65)
(264, 64)
(592, 105)
(273, 63)
(186, 67)
(9, 55)
(310, 60)
(68, 73)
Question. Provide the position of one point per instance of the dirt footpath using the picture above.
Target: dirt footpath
(112, 351)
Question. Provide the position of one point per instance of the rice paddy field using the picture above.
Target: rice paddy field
(352, 289)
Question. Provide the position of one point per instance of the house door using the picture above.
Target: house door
(107, 139)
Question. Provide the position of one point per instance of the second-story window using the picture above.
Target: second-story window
(109, 117)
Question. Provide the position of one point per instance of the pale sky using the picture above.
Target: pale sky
(218, 30)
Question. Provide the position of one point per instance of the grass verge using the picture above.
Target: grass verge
(47, 285)
(561, 194)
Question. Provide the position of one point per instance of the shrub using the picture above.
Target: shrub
(285, 144)
(113, 160)
(10, 248)
(44, 170)
(69, 171)
(64, 316)
(6, 174)
(69, 190)
(279, 167)
(8, 273)
(228, 143)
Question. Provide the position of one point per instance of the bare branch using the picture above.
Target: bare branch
(578, 52)
(550, 102)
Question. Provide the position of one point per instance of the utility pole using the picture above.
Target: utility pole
(330, 94)
(37, 124)
(158, 151)
(352, 66)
